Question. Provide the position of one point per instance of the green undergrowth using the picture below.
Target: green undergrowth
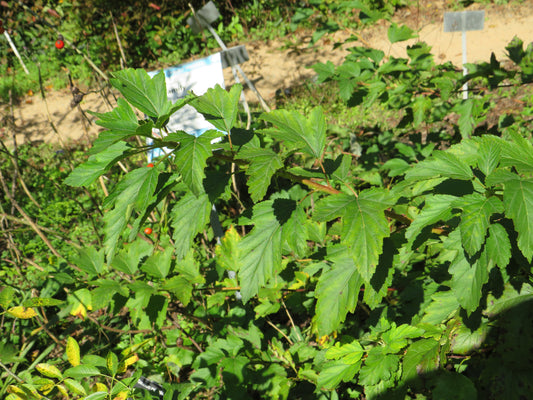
(152, 34)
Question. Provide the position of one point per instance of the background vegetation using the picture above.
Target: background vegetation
(392, 216)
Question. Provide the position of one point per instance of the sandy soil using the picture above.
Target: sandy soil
(282, 64)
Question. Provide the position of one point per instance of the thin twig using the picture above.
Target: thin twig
(290, 319)
(122, 55)
(281, 332)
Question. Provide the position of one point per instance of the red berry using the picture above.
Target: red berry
(148, 231)
(60, 44)
(151, 165)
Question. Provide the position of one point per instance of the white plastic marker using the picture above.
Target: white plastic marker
(463, 21)
(16, 51)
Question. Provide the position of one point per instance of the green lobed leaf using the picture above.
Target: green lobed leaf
(260, 250)
(466, 119)
(187, 273)
(295, 231)
(335, 372)
(158, 264)
(443, 163)
(378, 367)
(442, 306)
(350, 353)
(147, 188)
(378, 287)
(90, 260)
(234, 368)
(518, 202)
(121, 123)
(96, 165)
(396, 338)
(364, 225)
(189, 216)
(468, 278)
(189, 268)
(308, 134)
(263, 164)
(437, 208)
(422, 356)
(489, 154)
(517, 153)
(400, 33)
(421, 107)
(498, 245)
(141, 293)
(191, 157)
(392, 65)
(127, 194)
(128, 258)
(395, 166)
(180, 287)
(219, 107)
(102, 294)
(339, 169)
(475, 219)
(121, 119)
(324, 70)
(337, 291)
(149, 95)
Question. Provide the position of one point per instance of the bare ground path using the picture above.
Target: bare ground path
(284, 63)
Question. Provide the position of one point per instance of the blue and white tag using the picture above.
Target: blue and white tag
(197, 76)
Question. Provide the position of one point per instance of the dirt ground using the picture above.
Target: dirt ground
(281, 64)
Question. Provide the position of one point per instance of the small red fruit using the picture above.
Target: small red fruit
(59, 44)
(151, 165)
(148, 231)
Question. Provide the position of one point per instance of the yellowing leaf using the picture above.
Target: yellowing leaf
(63, 391)
(131, 360)
(49, 370)
(99, 387)
(22, 312)
(123, 366)
(81, 301)
(44, 385)
(36, 331)
(122, 395)
(133, 348)
(16, 390)
(227, 253)
(13, 396)
(73, 352)
(112, 363)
